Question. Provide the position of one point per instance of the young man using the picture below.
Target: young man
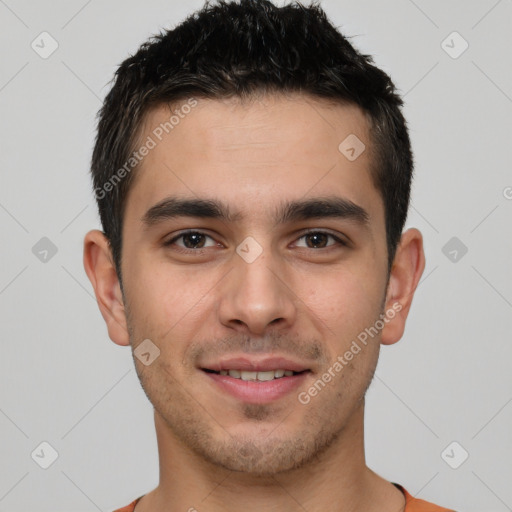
(252, 172)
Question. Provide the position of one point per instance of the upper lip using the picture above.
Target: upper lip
(255, 365)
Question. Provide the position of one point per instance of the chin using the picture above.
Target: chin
(263, 457)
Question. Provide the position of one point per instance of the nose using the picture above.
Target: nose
(255, 297)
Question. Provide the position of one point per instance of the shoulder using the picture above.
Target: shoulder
(413, 504)
(130, 507)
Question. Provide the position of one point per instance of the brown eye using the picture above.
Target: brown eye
(319, 239)
(191, 240)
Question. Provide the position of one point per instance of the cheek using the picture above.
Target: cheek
(168, 304)
(343, 300)
(155, 289)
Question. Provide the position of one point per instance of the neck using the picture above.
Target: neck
(338, 480)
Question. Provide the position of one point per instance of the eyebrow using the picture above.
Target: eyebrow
(290, 211)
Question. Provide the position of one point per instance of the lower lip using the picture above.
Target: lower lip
(258, 392)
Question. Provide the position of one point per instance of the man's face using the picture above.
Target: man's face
(250, 293)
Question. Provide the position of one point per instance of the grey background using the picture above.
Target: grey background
(66, 383)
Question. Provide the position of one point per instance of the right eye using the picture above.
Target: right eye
(190, 239)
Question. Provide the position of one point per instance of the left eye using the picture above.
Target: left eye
(320, 238)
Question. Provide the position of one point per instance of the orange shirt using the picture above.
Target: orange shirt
(412, 504)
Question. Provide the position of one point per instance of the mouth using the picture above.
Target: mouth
(253, 381)
(253, 376)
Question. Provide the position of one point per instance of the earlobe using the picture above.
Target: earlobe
(101, 271)
(406, 272)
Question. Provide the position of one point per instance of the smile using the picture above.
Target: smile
(257, 387)
(256, 376)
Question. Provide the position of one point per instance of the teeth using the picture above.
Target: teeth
(266, 375)
(249, 375)
(259, 376)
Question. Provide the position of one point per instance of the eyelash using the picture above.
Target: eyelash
(196, 232)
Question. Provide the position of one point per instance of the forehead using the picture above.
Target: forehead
(255, 153)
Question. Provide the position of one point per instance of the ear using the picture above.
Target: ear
(406, 271)
(100, 269)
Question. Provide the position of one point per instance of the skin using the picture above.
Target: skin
(297, 299)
